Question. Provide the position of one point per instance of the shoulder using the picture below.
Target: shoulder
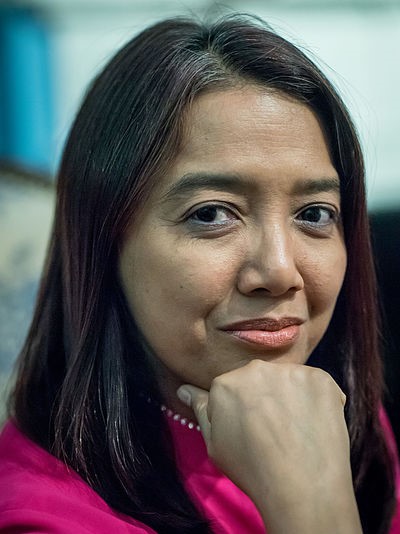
(39, 494)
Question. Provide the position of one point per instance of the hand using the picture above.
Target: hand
(278, 432)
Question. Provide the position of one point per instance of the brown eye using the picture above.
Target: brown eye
(317, 215)
(212, 214)
(206, 214)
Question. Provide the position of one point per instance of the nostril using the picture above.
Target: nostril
(261, 280)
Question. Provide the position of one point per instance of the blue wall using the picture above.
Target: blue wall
(26, 100)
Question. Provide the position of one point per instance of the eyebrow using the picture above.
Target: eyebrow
(321, 185)
(191, 182)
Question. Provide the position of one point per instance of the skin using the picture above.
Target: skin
(246, 225)
(260, 260)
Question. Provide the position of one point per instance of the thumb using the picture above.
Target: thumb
(196, 399)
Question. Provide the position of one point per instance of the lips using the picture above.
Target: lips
(267, 332)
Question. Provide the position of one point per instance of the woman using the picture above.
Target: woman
(210, 239)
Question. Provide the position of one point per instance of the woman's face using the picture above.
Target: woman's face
(239, 252)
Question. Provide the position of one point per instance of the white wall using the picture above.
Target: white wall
(361, 47)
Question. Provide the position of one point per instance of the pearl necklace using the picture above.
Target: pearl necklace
(191, 425)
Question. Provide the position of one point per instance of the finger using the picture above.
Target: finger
(342, 395)
(197, 399)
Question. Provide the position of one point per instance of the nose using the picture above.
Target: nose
(271, 264)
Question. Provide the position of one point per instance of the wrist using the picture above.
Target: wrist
(311, 512)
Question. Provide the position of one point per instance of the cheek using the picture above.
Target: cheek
(177, 283)
(323, 280)
(171, 294)
(324, 277)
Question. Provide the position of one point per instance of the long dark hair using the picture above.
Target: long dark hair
(82, 365)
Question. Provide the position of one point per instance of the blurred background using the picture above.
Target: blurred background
(50, 50)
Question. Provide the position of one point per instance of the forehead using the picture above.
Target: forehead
(249, 116)
(254, 133)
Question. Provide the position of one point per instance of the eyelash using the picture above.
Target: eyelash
(333, 214)
(209, 225)
(312, 226)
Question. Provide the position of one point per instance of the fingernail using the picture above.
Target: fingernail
(184, 396)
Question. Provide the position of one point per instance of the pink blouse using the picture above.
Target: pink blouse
(40, 495)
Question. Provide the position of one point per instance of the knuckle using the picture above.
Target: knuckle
(256, 365)
(218, 382)
(298, 374)
(323, 377)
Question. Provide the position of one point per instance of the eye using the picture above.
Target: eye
(318, 216)
(212, 215)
